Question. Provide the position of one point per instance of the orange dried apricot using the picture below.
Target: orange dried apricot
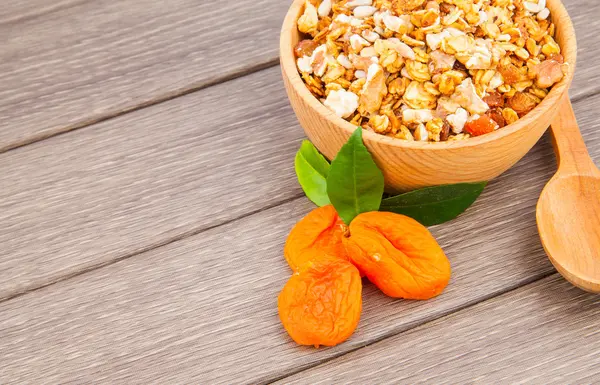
(321, 230)
(321, 304)
(510, 73)
(482, 125)
(398, 254)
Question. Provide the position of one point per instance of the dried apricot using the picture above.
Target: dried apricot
(522, 103)
(321, 230)
(483, 125)
(321, 304)
(510, 73)
(398, 254)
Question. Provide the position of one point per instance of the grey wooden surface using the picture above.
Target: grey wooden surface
(110, 190)
(85, 61)
(204, 307)
(147, 248)
(71, 63)
(547, 332)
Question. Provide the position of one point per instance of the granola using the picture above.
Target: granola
(434, 70)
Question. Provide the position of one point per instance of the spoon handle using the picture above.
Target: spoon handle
(570, 149)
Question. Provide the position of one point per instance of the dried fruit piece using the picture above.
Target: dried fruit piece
(321, 230)
(402, 6)
(482, 125)
(494, 99)
(305, 48)
(373, 91)
(522, 103)
(496, 116)
(398, 255)
(445, 133)
(510, 73)
(321, 304)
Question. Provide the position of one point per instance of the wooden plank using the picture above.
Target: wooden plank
(73, 182)
(545, 333)
(80, 62)
(91, 60)
(584, 14)
(16, 11)
(203, 309)
(79, 200)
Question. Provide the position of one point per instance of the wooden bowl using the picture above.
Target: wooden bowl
(409, 165)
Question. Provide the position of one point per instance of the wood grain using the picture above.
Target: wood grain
(88, 60)
(543, 333)
(91, 60)
(203, 309)
(16, 11)
(89, 197)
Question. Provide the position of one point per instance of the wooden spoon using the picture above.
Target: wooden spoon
(568, 212)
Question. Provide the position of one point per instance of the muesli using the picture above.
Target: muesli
(434, 70)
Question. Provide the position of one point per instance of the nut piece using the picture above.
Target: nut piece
(509, 115)
(467, 97)
(342, 102)
(380, 123)
(458, 120)
(307, 23)
(441, 62)
(364, 11)
(549, 72)
(324, 8)
(421, 133)
(416, 116)
(373, 91)
(435, 127)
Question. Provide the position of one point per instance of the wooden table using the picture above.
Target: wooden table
(147, 187)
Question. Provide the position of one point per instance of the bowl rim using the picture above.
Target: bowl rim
(288, 65)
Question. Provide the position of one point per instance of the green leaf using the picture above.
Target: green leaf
(312, 169)
(435, 205)
(355, 183)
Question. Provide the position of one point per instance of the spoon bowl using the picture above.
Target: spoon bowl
(568, 211)
(569, 219)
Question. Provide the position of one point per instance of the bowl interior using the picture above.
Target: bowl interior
(565, 37)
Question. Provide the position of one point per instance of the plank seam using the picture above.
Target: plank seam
(465, 306)
(160, 99)
(146, 249)
(173, 95)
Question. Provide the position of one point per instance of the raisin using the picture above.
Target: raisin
(445, 133)
(494, 99)
(305, 48)
(496, 115)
